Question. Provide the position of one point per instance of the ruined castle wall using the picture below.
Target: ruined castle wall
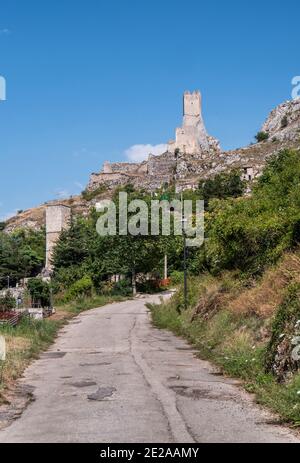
(122, 167)
(109, 180)
(163, 165)
(186, 139)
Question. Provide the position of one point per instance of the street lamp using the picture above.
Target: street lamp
(185, 288)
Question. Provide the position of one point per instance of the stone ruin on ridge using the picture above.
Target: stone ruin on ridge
(192, 156)
(192, 137)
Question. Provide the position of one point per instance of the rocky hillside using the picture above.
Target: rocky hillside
(281, 130)
(283, 124)
(35, 218)
(182, 169)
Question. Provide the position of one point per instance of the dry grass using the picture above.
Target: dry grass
(214, 294)
(263, 299)
(16, 344)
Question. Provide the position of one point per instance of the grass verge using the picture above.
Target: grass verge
(235, 341)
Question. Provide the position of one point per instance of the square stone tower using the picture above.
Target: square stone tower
(191, 107)
(58, 218)
(192, 137)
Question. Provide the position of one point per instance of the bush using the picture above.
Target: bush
(250, 233)
(224, 185)
(177, 277)
(261, 136)
(122, 288)
(284, 122)
(149, 286)
(81, 288)
(39, 292)
(88, 195)
(7, 302)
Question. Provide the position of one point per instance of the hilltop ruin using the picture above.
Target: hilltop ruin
(195, 155)
(192, 156)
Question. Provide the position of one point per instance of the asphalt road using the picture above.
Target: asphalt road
(111, 377)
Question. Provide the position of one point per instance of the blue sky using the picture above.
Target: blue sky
(86, 80)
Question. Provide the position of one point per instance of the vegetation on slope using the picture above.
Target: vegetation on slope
(244, 309)
(242, 342)
(244, 285)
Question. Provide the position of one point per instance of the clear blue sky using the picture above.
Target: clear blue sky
(86, 80)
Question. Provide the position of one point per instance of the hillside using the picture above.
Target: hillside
(182, 169)
(34, 218)
(243, 310)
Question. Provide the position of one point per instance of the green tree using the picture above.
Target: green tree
(39, 291)
(251, 232)
(222, 186)
(261, 136)
(7, 302)
(22, 254)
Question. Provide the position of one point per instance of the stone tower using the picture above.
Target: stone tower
(58, 218)
(192, 137)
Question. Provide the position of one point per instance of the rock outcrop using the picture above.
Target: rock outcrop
(283, 122)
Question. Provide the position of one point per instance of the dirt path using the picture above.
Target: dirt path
(111, 377)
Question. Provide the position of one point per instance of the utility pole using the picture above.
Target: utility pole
(185, 288)
(51, 298)
(166, 267)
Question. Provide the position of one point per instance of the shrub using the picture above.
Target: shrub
(261, 136)
(7, 302)
(81, 288)
(251, 233)
(284, 122)
(122, 288)
(88, 195)
(149, 286)
(39, 291)
(177, 277)
(224, 185)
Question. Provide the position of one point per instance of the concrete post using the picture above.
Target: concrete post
(58, 218)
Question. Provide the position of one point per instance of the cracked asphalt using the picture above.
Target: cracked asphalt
(111, 377)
